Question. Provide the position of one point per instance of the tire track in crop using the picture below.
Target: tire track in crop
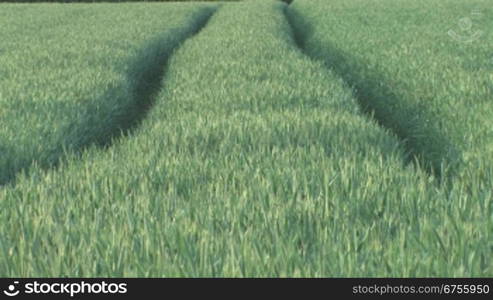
(146, 73)
(424, 145)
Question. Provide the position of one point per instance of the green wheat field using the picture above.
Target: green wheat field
(262, 138)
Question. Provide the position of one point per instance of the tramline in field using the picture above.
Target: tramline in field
(324, 138)
(80, 75)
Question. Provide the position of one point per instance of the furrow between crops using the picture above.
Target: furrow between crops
(424, 143)
(114, 114)
(146, 73)
(255, 161)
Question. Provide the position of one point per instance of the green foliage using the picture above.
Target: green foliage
(80, 75)
(430, 89)
(254, 160)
